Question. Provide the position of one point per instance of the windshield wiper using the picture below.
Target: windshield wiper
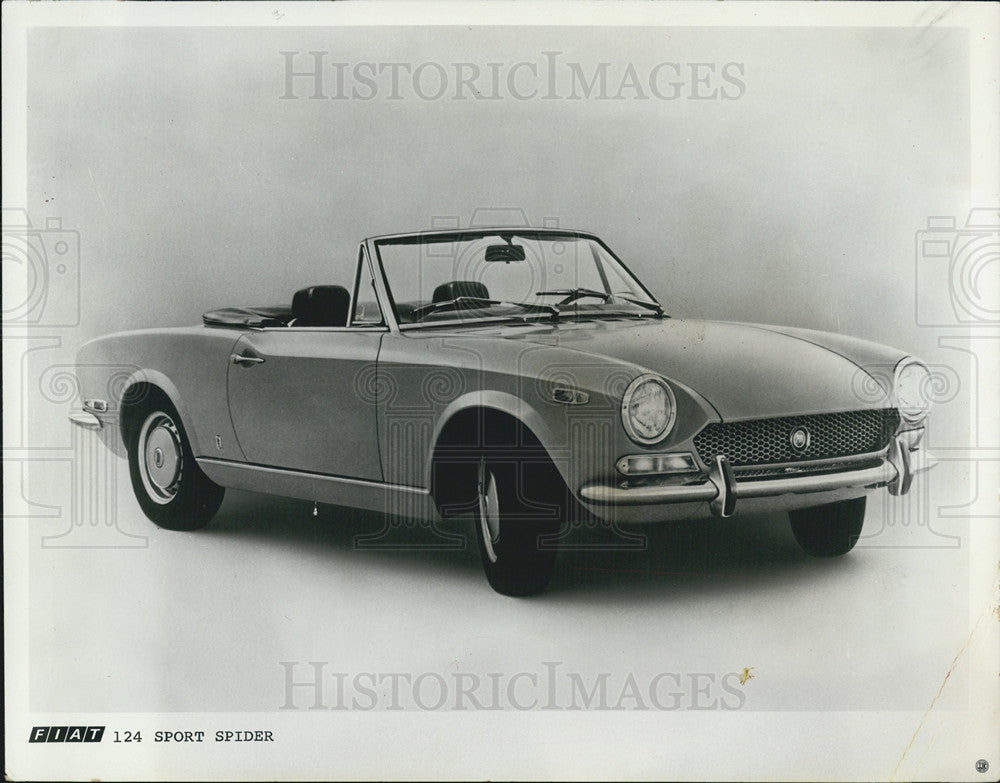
(572, 294)
(654, 306)
(473, 302)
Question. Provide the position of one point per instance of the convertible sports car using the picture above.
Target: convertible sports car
(520, 377)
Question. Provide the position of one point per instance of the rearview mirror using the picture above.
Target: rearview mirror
(505, 253)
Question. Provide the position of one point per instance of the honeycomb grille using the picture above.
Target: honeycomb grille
(769, 441)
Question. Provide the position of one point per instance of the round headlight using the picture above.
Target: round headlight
(648, 409)
(912, 389)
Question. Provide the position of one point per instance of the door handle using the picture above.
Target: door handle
(245, 360)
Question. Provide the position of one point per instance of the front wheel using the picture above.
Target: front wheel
(170, 487)
(514, 515)
(829, 530)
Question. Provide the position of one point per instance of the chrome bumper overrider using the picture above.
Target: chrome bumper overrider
(85, 419)
(721, 490)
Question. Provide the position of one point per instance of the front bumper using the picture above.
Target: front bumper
(104, 425)
(85, 419)
(721, 490)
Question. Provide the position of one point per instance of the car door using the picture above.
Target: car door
(302, 398)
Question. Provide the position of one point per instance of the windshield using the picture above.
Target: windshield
(507, 275)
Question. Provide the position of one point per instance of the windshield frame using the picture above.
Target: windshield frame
(384, 290)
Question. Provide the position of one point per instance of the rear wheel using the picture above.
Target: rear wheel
(829, 530)
(170, 487)
(515, 512)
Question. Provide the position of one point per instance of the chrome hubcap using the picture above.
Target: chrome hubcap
(161, 458)
(489, 509)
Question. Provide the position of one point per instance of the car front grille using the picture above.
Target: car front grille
(769, 441)
(812, 469)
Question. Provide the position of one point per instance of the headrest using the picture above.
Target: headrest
(321, 305)
(456, 288)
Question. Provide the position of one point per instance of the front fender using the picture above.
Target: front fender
(167, 386)
(491, 399)
(189, 364)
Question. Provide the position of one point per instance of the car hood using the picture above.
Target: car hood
(742, 370)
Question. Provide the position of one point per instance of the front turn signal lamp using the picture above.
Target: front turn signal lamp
(656, 464)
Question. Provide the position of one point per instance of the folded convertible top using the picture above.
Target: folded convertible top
(248, 316)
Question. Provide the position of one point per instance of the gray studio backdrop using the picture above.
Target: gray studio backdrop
(792, 196)
(769, 175)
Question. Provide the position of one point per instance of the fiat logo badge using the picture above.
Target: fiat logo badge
(800, 439)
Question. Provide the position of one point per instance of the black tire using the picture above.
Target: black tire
(830, 530)
(518, 506)
(170, 487)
